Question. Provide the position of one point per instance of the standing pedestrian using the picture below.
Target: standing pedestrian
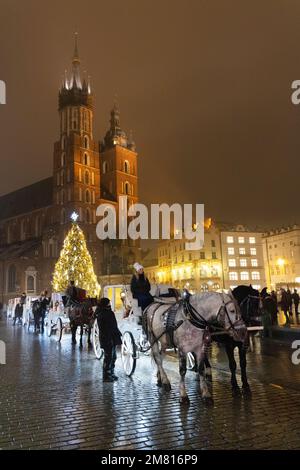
(110, 338)
(290, 303)
(44, 302)
(296, 298)
(284, 304)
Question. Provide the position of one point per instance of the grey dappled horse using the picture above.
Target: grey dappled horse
(193, 317)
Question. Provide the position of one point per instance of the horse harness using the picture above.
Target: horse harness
(194, 317)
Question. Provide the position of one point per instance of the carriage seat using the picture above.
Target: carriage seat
(165, 293)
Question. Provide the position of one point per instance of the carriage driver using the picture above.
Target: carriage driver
(140, 287)
(71, 292)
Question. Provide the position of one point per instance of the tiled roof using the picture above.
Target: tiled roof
(27, 199)
(16, 250)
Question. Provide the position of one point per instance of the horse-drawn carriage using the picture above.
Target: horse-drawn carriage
(65, 316)
(58, 319)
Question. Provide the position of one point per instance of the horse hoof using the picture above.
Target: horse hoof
(236, 392)
(184, 400)
(208, 401)
(247, 391)
(166, 387)
(74, 341)
(159, 383)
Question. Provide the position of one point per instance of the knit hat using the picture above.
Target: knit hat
(137, 266)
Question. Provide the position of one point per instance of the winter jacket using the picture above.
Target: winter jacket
(139, 285)
(109, 333)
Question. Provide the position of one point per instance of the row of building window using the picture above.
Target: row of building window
(244, 276)
(242, 262)
(27, 229)
(231, 239)
(125, 167)
(282, 244)
(186, 257)
(241, 251)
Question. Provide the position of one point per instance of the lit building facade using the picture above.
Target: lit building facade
(231, 255)
(282, 255)
(242, 258)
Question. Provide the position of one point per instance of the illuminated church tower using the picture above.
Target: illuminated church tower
(76, 156)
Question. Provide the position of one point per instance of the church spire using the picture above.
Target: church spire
(76, 79)
(76, 55)
(75, 91)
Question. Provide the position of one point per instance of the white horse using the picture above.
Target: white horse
(194, 319)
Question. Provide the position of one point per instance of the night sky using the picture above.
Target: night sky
(204, 85)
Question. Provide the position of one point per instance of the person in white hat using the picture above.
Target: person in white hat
(140, 287)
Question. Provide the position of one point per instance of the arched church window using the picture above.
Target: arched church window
(126, 166)
(63, 159)
(88, 216)
(127, 188)
(86, 159)
(30, 284)
(63, 216)
(105, 167)
(87, 177)
(11, 278)
(37, 226)
(86, 142)
(87, 196)
(63, 142)
(23, 230)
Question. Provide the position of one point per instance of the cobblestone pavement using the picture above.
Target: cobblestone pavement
(52, 396)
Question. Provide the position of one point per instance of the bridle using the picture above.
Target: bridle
(200, 322)
(248, 301)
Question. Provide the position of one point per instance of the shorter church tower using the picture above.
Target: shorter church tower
(118, 162)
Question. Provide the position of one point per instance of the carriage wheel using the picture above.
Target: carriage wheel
(59, 329)
(128, 352)
(96, 341)
(190, 361)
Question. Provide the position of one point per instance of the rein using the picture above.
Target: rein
(193, 316)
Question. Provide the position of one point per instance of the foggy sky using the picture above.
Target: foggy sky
(204, 85)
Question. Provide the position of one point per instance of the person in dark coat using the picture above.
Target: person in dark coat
(110, 338)
(44, 302)
(284, 304)
(295, 297)
(140, 287)
(290, 301)
(18, 312)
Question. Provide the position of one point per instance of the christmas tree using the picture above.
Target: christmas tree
(75, 264)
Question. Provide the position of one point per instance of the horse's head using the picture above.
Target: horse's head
(250, 303)
(230, 317)
(221, 310)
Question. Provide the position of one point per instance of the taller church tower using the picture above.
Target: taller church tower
(76, 156)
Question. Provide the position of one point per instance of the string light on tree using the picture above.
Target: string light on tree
(75, 263)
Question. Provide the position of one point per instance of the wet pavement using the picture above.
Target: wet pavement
(52, 396)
